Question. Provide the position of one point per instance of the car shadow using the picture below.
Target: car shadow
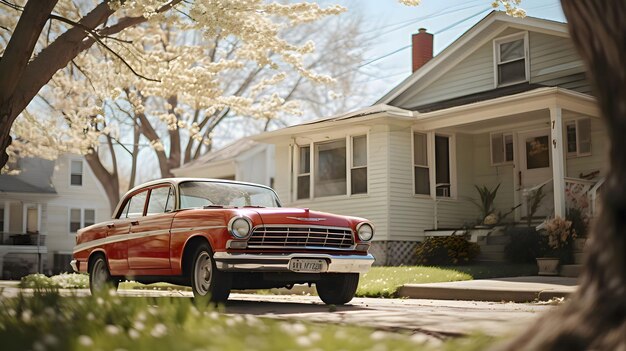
(284, 307)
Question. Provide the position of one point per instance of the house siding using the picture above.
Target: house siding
(598, 160)
(490, 176)
(372, 206)
(88, 196)
(553, 62)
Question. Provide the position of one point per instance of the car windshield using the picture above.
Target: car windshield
(197, 194)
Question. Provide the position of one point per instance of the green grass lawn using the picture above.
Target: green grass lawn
(385, 281)
(48, 321)
(378, 282)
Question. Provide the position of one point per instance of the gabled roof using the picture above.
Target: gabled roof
(343, 117)
(228, 153)
(483, 31)
(35, 177)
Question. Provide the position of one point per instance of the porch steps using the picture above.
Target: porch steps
(492, 248)
(573, 270)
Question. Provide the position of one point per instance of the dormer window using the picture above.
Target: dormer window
(511, 61)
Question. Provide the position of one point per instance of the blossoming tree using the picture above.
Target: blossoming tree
(108, 39)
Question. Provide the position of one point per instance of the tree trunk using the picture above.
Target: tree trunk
(595, 316)
(109, 181)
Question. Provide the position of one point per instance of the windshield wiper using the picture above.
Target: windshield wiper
(253, 206)
(206, 207)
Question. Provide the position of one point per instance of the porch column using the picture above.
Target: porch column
(558, 162)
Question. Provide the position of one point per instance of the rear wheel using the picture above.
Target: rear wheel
(99, 276)
(206, 280)
(337, 289)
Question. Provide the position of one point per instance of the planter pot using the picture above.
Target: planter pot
(548, 266)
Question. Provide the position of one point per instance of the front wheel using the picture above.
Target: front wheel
(100, 278)
(337, 289)
(206, 280)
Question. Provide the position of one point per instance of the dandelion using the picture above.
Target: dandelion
(133, 334)
(38, 346)
(159, 330)
(377, 335)
(112, 329)
(50, 339)
(303, 341)
(139, 325)
(84, 340)
(27, 316)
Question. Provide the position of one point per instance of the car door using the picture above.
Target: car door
(149, 246)
(118, 232)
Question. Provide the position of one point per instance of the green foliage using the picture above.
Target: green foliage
(46, 320)
(64, 281)
(487, 198)
(447, 250)
(385, 281)
(524, 246)
(579, 223)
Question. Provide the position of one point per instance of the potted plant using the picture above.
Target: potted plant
(486, 205)
(557, 245)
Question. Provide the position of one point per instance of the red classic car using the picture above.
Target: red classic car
(217, 235)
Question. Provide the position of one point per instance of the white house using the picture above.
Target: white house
(506, 103)
(243, 160)
(41, 209)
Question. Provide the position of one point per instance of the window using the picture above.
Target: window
(75, 224)
(578, 135)
(136, 205)
(330, 168)
(420, 164)
(90, 217)
(76, 174)
(304, 173)
(501, 148)
(442, 165)
(322, 168)
(358, 169)
(510, 59)
(81, 218)
(161, 200)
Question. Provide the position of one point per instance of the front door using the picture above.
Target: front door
(535, 168)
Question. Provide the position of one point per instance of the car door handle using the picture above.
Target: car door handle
(134, 223)
(110, 225)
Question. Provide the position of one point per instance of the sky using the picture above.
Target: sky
(388, 60)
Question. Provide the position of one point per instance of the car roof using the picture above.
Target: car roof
(176, 182)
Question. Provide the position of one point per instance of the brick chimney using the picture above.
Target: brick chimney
(422, 43)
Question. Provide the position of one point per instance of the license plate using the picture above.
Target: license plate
(306, 265)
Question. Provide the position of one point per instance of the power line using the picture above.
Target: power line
(408, 46)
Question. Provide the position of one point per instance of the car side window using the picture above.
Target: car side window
(160, 201)
(136, 205)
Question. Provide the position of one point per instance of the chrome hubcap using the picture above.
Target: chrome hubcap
(99, 275)
(202, 273)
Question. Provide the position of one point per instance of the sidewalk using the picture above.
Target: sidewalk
(517, 289)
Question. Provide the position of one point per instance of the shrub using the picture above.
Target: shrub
(560, 239)
(447, 250)
(64, 281)
(524, 246)
(580, 224)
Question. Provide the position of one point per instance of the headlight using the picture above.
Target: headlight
(239, 227)
(365, 231)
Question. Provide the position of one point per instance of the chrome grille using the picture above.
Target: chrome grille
(279, 237)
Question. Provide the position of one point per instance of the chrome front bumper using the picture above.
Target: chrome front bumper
(74, 265)
(280, 263)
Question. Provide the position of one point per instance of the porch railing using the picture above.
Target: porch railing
(594, 197)
(28, 239)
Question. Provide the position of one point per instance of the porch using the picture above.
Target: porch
(22, 243)
(546, 148)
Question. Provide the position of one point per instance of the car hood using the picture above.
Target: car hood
(298, 216)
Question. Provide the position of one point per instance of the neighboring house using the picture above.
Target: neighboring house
(507, 103)
(244, 160)
(41, 209)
